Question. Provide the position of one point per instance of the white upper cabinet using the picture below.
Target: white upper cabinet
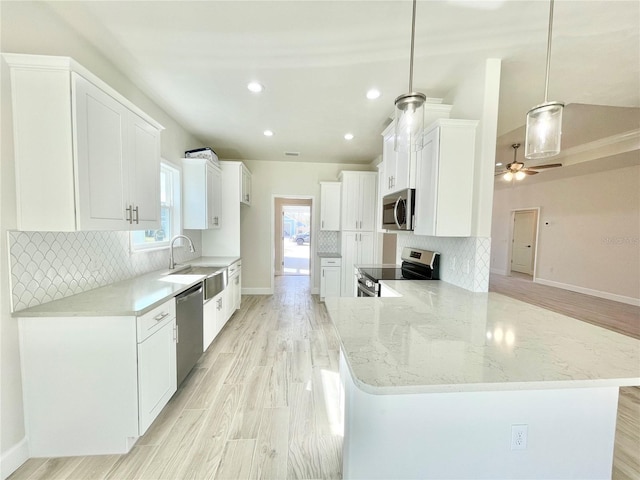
(202, 194)
(330, 206)
(85, 157)
(399, 168)
(444, 185)
(245, 190)
(358, 200)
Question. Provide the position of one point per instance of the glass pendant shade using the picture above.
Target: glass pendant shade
(520, 175)
(409, 116)
(543, 131)
(508, 176)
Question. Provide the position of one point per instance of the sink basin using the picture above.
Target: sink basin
(215, 278)
(183, 279)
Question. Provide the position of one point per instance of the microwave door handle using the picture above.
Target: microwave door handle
(395, 212)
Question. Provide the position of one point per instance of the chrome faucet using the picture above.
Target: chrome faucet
(172, 264)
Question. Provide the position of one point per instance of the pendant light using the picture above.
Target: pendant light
(409, 109)
(544, 121)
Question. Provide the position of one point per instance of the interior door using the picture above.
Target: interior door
(523, 242)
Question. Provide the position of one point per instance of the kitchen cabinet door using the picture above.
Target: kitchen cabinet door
(245, 190)
(330, 282)
(358, 198)
(368, 204)
(156, 374)
(349, 259)
(210, 324)
(444, 186)
(102, 169)
(330, 206)
(144, 185)
(202, 194)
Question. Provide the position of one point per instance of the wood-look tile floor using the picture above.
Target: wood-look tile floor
(263, 403)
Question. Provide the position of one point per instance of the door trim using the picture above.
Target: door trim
(314, 229)
(510, 243)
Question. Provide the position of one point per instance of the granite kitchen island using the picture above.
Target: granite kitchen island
(446, 383)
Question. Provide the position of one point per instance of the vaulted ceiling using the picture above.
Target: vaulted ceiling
(317, 59)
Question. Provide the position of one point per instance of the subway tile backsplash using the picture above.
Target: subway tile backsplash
(46, 266)
(464, 261)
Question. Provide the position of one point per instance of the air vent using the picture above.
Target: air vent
(291, 154)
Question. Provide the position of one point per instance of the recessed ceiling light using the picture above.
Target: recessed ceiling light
(373, 93)
(499, 164)
(268, 133)
(255, 87)
(348, 136)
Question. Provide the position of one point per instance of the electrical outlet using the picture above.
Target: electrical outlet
(519, 437)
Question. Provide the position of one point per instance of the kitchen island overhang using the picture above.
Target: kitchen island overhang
(435, 381)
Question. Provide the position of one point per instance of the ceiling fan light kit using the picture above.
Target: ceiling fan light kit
(517, 170)
(543, 130)
(409, 109)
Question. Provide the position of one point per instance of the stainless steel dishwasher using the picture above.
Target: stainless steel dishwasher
(189, 320)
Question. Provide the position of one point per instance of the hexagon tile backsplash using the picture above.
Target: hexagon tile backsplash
(46, 266)
(464, 261)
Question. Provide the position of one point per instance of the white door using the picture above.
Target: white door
(102, 179)
(156, 374)
(523, 242)
(144, 186)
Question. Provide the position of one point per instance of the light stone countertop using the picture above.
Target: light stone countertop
(131, 297)
(441, 338)
(329, 255)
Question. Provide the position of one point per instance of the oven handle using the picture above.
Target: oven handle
(365, 290)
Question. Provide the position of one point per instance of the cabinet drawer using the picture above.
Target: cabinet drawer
(330, 262)
(155, 319)
(233, 268)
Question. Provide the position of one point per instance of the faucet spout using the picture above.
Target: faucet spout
(172, 263)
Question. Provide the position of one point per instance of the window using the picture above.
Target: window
(169, 212)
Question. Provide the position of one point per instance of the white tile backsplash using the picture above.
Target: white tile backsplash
(328, 242)
(464, 261)
(46, 266)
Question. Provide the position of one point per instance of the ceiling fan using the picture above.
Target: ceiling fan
(517, 169)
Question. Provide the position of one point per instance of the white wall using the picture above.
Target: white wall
(280, 179)
(589, 234)
(29, 27)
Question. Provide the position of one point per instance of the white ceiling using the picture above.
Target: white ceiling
(318, 58)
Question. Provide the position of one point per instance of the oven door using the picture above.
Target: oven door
(367, 288)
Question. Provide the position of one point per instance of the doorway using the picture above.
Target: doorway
(292, 236)
(524, 242)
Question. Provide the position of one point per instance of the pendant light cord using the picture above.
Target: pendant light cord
(413, 32)
(546, 80)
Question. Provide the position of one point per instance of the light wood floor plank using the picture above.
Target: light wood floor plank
(28, 468)
(247, 419)
(92, 467)
(56, 468)
(237, 459)
(131, 466)
(272, 446)
(209, 387)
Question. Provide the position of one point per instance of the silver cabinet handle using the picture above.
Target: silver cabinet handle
(135, 210)
(160, 316)
(129, 211)
(322, 224)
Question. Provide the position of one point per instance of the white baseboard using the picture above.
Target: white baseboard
(315, 291)
(499, 271)
(257, 291)
(11, 460)
(590, 291)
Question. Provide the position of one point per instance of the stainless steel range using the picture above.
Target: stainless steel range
(416, 265)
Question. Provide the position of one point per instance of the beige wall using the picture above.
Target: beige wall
(28, 27)
(589, 234)
(271, 179)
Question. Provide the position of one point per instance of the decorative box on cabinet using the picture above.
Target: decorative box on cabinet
(93, 385)
(358, 201)
(330, 277)
(330, 206)
(86, 158)
(444, 186)
(202, 194)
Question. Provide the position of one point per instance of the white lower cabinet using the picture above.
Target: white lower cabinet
(330, 277)
(93, 385)
(357, 249)
(210, 322)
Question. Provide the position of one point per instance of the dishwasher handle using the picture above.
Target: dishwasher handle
(187, 294)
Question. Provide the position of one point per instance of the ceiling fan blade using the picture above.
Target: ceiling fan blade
(550, 165)
(528, 171)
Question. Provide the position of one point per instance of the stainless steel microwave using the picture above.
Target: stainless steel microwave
(398, 210)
